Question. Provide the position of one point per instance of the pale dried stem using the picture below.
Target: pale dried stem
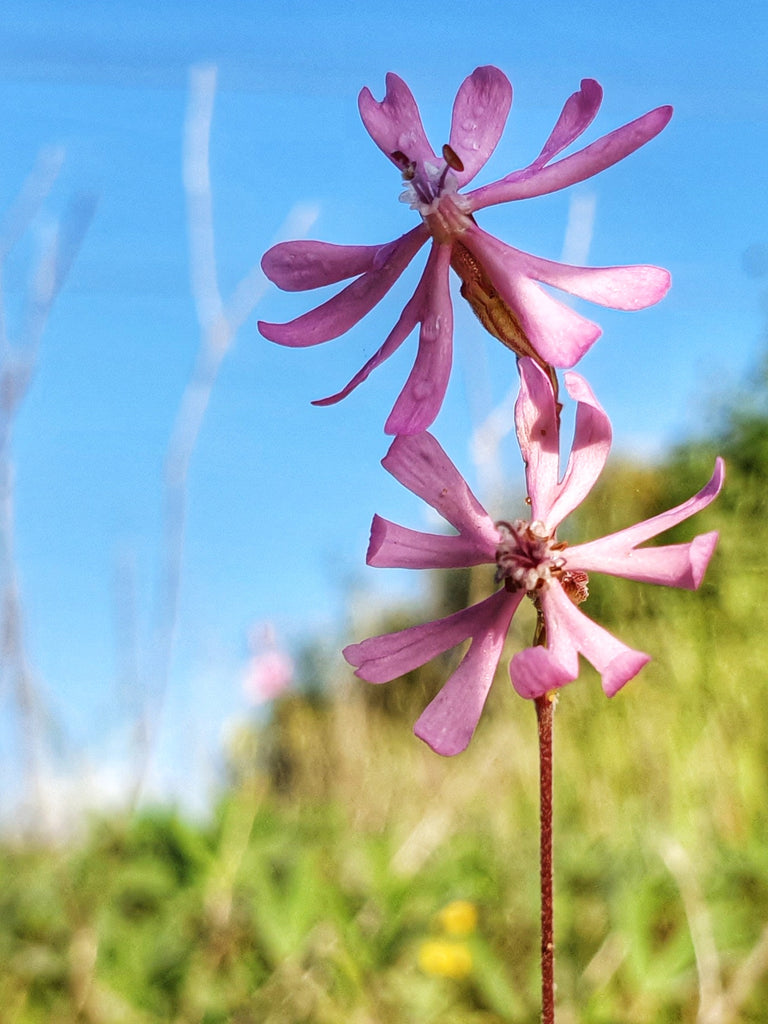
(742, 985)
(18, 359)
(219, 323)
(699, 924)
(717, 1004)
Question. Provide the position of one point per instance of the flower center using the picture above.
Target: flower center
(433, 191)
(528, 558)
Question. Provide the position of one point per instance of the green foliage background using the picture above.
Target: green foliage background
(341, 836)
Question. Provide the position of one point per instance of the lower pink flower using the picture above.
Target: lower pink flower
(529, 561)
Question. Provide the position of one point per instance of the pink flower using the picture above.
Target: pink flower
(529, 560)
(270, 669)
(500, 282)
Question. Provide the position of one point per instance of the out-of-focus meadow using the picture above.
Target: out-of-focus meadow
(348, 875)
(325, 887)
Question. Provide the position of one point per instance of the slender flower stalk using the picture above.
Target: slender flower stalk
(502, 284)
(545, 714)
(530, 561)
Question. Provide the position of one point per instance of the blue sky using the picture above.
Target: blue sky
(281, 493)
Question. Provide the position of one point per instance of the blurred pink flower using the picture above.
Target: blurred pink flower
(500, 282)
(270, 670)
(529, 560)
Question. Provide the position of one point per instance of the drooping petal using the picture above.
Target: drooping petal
(383, 658)
(576, 116)
(536, 181)
(448, 723)
(618, 555)
(297, 266)
(405, 324)
(558, 334)
(419, 402)
(394, 123)
(344, 310)
(479, 114)
(537, 670)
(419, 463)
(396, 547)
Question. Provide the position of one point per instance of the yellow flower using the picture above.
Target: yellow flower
(445, 958)
(458, 918)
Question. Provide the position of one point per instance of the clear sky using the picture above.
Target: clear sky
(281, 493)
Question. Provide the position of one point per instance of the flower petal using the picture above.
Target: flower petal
(396, 547)
(628, 287)
(537, 670)
(589, 452)
(538, 181)
(479, 114)
(419, 402)
(383, 658)
(350, 305)
(449, 721)
(394, 123)
(618, 555)
(558, 334)
(419, 463)
(576, 116)
(538, 434)
(296, 266)
(670, 565)
(405, 324)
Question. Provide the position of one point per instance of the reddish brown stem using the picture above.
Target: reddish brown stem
(545, 711)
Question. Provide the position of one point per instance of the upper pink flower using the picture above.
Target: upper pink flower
(500, 282)
(529, 560)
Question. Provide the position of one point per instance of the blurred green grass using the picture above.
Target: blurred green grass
(340, 838)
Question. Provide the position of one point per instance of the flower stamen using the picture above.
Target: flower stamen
(528, 556)
(452, 159)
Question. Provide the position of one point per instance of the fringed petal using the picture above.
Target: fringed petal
(670, 565)
(479, 115)
(343, 311)
(396, 547)
(628, 287)
(405, 324)
(558, 334)
(298, 266)
(419, 463)
(618, 554)
(599, 155)
(384, 658)
(537, 670)
(538, 435)
(419, 402)
(589, 451)
(394, 123)
(448, 723)
(576, 116)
